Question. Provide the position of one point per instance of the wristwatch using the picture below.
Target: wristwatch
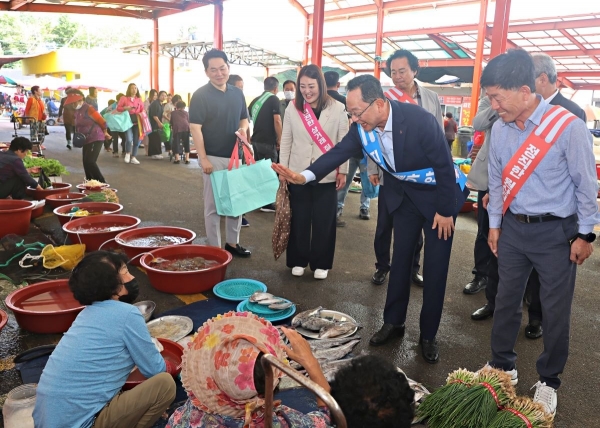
(589, 237)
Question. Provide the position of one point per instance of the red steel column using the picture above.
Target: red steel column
(151, 65)
(155, 55)
(218, 35)
(476, 88)
(317, 39)
(172, 75)
(500, 28)
(378, 41)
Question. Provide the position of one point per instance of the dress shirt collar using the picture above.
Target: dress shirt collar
(536, 116)
(388, 124)
(551, 97)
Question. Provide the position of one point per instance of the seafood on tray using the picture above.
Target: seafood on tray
(269, 300)
(317, 320)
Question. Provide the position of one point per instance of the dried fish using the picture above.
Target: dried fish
(336, 353)
(280, 306)
(272, 301)
(297, 321)
(337, 329)
(316, 323)
(260, 296)
(330, 343)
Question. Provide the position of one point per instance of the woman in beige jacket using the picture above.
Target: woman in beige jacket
(312, 236)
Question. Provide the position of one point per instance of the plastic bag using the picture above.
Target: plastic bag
(165, 133)
(65, 256)
(43, 181)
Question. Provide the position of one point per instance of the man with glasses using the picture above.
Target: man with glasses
(402, 66)
(420, 194)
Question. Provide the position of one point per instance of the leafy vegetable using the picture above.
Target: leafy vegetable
(51, 167)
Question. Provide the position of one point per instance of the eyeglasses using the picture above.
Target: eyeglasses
(358, 115)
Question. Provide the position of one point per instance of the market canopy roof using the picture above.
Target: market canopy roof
(572, 41)
(238, 52)
(145, 9)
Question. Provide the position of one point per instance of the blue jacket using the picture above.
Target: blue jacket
(419, 143)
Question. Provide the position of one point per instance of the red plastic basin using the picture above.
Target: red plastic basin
(189, 282)
(3, 319)
(93, 240)
(55, 201)
(107, 207)
(133, 251)
(15, 216)
(172, 352)
(45, 307)
(58, 188)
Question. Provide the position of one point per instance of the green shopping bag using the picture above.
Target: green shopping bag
(244, 188)
(165, 133)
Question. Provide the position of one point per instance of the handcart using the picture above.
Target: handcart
(37, 131)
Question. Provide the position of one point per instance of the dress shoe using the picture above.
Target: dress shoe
(429, 350)
(238, 250)
(475, 286)
(379, 276)
(417, 279)
(386, 333)
(534, 329)
(482, 313)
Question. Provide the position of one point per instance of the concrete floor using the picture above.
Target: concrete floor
(162, 193)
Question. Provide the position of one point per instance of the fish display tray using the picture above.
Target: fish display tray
(174, 327)
(330, 315)
(238, 289)
(271, 315)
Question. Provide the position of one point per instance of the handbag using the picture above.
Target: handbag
(283, 221)
(79, 138)
(243, 188)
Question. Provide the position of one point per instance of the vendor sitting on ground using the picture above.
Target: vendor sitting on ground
(81, 383)
(225, 381)
(14, 177)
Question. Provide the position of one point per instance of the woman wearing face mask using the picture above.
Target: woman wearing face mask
(131, 103)
(91, 124)
(313, 124)
(81, 383)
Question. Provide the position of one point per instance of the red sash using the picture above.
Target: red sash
(314, 129)
(397, 95)
(520, 167)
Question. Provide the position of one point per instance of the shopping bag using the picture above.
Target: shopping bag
(243, 188)
(144, 122)
(283, 221)
(118, 122)
(368, 189)
(165, 133)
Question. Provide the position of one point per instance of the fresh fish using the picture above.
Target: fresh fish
(297, 321)
(336, 353)
(272, 301)
(316, 323)
(337, 330)
(283, 305)
(330, 343)
(259, 295)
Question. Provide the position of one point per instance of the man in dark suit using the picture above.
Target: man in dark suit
(407, 141)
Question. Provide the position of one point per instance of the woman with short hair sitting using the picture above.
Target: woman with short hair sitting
(81, 383)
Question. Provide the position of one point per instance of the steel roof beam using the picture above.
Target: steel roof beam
(83, 10)
(359, 51)
(579, 45)
(443, 45)
(343, 64)
(579, 74)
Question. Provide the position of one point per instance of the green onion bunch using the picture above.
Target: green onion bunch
(522, 412)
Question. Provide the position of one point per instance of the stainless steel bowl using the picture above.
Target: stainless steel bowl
(147, 308)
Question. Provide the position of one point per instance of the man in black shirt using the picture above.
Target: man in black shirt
(155, 114)
(333, 85)
(217, 111)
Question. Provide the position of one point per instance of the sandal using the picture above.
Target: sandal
(176, 161)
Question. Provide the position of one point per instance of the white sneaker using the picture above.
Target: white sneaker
(298, 271)
(546, 396)
(514, 375)
(321, 273)
(127, 158)
(134, 161)
(157, 156)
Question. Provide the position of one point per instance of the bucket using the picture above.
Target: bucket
(15, 216)
(18, 407)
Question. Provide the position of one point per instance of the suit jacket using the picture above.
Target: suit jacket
(560, 100)
(483, 121)
(298, 151)
(418, 144)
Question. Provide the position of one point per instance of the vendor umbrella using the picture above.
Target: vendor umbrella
(7, 81)
(85, 85)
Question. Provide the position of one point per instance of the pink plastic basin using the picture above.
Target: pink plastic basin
(93, 240)
(15, 216)
(45, 307)
(106, 207)
(58, 188)
(189, 282)
(172, 352)
(55, 201)
(133, 251)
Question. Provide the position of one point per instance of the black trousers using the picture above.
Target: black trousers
(383, 242)
(69, 129)
(408, 224)
(181, 139)
(13, 187)
(115, 141)
(264, 151)
(154, 142)
(312, 235)
(482, 252)
(91, 152)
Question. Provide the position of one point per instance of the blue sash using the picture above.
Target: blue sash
(372, 148)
